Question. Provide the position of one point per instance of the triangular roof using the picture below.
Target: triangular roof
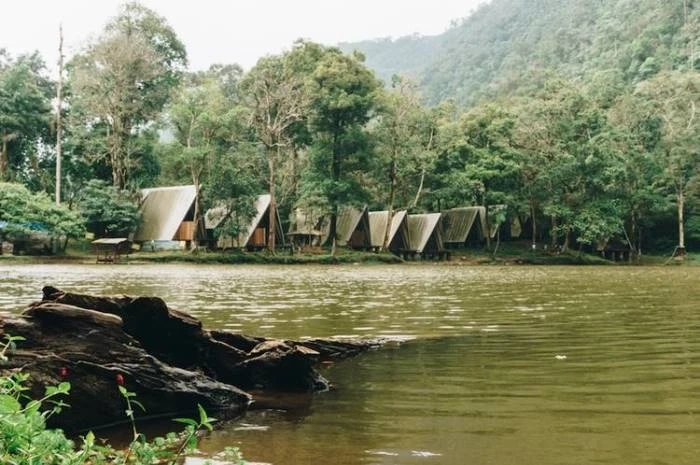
(458, 222)
(420, 228)
(348, 221)
(262, 204)
(304, 222)
(377, 225)
(214, 216)
(162, 211)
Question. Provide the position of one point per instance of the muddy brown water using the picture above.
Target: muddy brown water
(508, 365)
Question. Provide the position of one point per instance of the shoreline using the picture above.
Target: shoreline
(457, 258)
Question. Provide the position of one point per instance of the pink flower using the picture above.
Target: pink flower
(120, 379)
(63, 372)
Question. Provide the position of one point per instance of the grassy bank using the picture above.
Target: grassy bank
(261, 258)
(511, 253)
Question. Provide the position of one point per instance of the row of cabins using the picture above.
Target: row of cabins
(168, 220)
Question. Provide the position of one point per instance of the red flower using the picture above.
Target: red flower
(63, 372)
(120, 379)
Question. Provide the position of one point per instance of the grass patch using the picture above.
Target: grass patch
(260, 258)
(520, 253)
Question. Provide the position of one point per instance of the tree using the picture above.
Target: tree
(212, 146)
(674, 98)
(108, 211)
(567, 163)
(233, 187)
(634, 138)
(277, 98)
(23, 212)
(536, 149)
(436, 128)
(204, 122)
(398, 133)
(344, 99)
(121, 83)
(480, 163)
(25, 111)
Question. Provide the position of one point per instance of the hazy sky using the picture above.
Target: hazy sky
(228, 31)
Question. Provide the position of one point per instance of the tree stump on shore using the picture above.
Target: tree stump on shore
(163, 355)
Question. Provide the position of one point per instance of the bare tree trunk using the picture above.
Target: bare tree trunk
(498, 241)
(488, 228)
(59, 122)
(392, 196)
(534, 224)
(335, 176)
(4, 164)
(332, 231)
(636, 237)
(567, 240)
(554, 240)
(681, 225)
(273, 207)
(639, 243)
(420, 189)
(193, 244)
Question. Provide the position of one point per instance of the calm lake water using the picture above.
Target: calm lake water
(509, 365)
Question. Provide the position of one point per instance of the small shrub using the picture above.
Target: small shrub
(25, 439)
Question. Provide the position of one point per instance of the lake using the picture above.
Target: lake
(507, 365)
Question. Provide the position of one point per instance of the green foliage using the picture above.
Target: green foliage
(108, 211)
(25, 439)
(211, 148)
(481, 165)
(399, 132)
(510, 47)
(277, 99)
(583, 125)
(26, 212)
(344, 99)
(120, 84)
(25, 112)
(233, 188)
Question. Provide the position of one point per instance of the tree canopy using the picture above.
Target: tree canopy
(556, 115)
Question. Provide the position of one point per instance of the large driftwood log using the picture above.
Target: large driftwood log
(163, 355)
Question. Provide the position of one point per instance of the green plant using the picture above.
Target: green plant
(26, 440)
(192, 426)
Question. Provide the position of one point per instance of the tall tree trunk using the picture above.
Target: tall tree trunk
(119, 152)
(420, 189)
(335, 176)
(553, 234)
(534, 224)
(273, 206)
(639, 243)
(488, 228)
(59, 122)
(197, 209)
(498, 241)
(428, 147)
(4, 163)
(567, 240)
(681, 223)
(636, 237)
(392, 197)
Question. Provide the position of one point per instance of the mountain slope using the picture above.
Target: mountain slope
(509, 47)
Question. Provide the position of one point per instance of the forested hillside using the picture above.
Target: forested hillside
(511, 47)
(578, 118)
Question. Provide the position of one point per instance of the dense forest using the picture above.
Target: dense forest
(512, 47)
(578, 116)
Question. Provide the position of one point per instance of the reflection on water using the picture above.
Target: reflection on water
(510, 365)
